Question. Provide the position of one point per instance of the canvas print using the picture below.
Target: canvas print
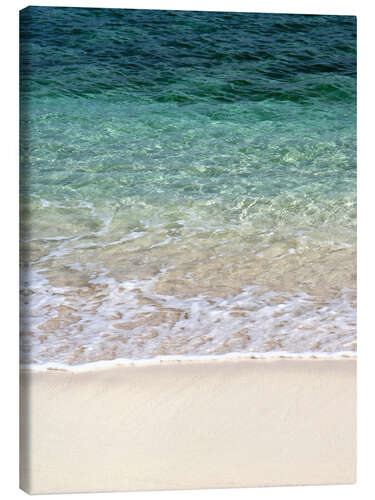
(188, 249)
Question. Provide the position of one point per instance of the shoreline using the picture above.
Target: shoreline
(187, 425)
(156, 360)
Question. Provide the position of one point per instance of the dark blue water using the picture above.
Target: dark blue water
(208, 152)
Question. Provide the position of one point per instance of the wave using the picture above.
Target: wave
(110, 320)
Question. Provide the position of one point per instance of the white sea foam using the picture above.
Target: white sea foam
(146, 287)
(111, 320)
(94, 365)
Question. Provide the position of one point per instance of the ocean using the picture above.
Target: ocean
(188, 184)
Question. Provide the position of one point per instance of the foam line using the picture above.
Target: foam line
(171, 359)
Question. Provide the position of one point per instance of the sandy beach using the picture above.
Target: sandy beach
(188, 424)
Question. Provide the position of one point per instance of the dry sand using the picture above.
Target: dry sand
(189, 424)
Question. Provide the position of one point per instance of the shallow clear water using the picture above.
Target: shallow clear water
(188, 183)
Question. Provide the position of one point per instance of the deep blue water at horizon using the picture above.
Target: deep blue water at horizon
(110, 91)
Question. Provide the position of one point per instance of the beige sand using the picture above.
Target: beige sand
(191, 424)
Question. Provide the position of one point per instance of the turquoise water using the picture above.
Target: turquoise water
(188, 183)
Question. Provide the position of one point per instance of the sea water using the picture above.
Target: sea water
(188, 184)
